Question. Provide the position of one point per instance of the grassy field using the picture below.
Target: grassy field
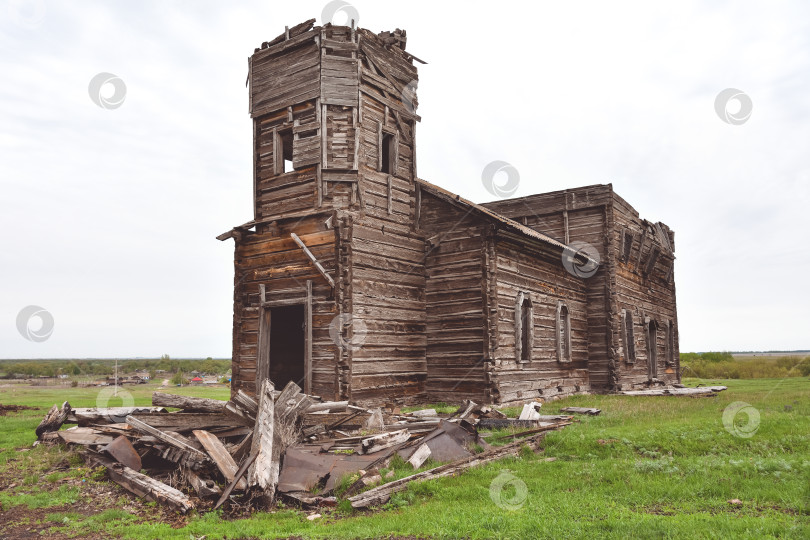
(647, 467)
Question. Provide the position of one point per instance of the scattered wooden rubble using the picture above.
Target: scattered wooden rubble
(281, 445)
(676, 391)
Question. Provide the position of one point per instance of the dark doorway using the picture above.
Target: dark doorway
(287, 345)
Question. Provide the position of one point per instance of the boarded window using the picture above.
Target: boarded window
(627, 245)
(628, 337)
(388, 154)
(652, 348)
(650, 266)
(563, 333)
(524, 328)
(669, 357)
(283, 150)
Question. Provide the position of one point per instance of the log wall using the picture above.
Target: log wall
(520, 268)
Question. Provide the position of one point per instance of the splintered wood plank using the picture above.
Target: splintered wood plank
(264, 471)
(195, 455)
(225, 463)
(54, 419)
(383, 441)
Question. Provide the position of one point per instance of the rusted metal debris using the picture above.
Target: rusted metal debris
(284, 445)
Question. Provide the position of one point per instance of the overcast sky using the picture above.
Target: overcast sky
(109, 215)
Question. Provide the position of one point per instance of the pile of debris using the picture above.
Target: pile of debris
(285, 445)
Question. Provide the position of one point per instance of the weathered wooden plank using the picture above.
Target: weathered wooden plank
(187, 403)
(264, 471)
(140, 484)
(225, 463)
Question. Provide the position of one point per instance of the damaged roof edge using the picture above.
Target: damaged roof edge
(512, 224)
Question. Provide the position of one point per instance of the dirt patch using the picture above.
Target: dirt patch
(94, 498)
(5, 409)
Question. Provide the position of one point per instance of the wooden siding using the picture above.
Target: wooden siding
(546, 283)
(276, 261)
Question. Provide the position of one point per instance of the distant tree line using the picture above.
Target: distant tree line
(723, 365)
(92, 368)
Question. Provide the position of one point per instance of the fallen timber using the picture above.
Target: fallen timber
(280, 445)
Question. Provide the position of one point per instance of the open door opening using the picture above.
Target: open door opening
(287, 330)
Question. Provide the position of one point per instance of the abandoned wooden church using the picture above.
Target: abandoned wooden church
(360, 281)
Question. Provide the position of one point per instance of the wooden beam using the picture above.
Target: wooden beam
(187, 403)
(313, 259)
(140, 484)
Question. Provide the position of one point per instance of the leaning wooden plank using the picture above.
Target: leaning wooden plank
(383, 441)
(582, 410)
(246, 402)
(264, 471)
(53, 419)
(140, 484)
(187, 403)
(239, 413)
(420, 456)
(225, 463)
(176, 442)
(314, 261)
(381, 494)
(239, 474)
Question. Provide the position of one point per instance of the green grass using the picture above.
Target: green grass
(647, 467)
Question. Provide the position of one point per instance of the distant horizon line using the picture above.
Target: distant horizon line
(113, 358)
